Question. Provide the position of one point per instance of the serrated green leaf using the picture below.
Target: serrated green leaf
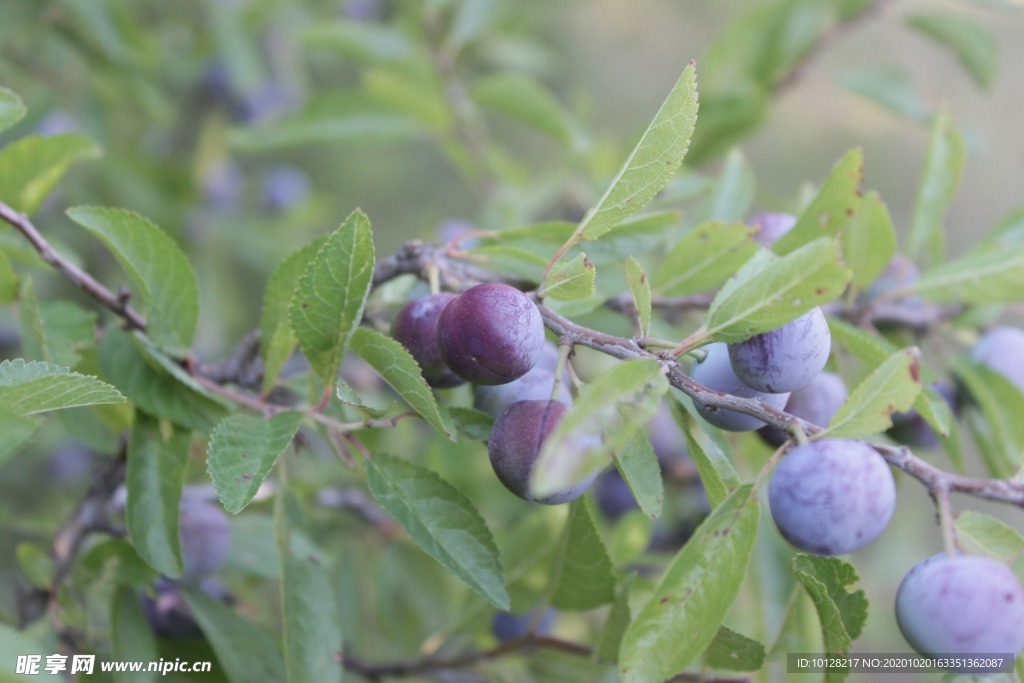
(347, 397)
(891, 388)
(245, 652)
(1001, 404)
(400, 371)
(605, 415)
(831, 209)
(943, 168)
(571, 280)
(475, 424)
(705, 258)
(131, 636)
(638, 465)
(869, 241)
(652, 162)
(889, 87)
(277, 341)
(985, 276)
(15, 433)
(331, 293)
(27, 388)
(8, 280)
(442, 521)
(842, 613)
(243, 449)
(12, 109)
(521, 98)
(640, 287)
(156, 266)
(694, 595)
(615, 625)
(973, 44)
(716, 471)
(769, 292)
(734, 189)
(152, 389)
(582, 576)
(31, 166)
(154, 479)
(69, 330)
(731, 651)
(985, 535)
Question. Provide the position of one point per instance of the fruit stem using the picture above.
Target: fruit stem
(434, 278)
(564, 349)
(697, 354)
(941, 496)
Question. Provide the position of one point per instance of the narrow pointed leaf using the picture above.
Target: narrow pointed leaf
(582, 576)
(522, 99)
(974, 46)
(705, 258)
(571, 280)
(32, 166)
(640, 287)
(891, 388)
(831, 209)
(638, 465)
(869, 241)
(716, 471)
(27, 388)
(615, 625)
(734, 189)
(1001, 404)
(943, 168)
(985, 535)
(12, 109)
(985, 276)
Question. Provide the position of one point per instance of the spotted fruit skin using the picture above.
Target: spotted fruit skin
(962, 604)
(817, 403)
(415, 328)
(715, 372)
(784, 359)
(491, 334)
(832, 496)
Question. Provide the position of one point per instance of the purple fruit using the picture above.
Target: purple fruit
(169, 615)
(507, 626)
(285, 187)
(773, 226)
(817, 403)
(205, 536)
(899, 274)
(961, 604)
(785, 358)
(533, 386)
(415, 327)
(715, 372)
(491, 334)
(517, 438)
(1002, 349)
(614, 498)
(832, 496)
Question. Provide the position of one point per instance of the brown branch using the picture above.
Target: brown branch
(116, 303)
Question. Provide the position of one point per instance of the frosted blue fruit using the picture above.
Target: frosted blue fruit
(715, 372)
(205, 536)
(817, 403)
(1002, 349)
(962, 604)
(832, 496)
(773, 225)
(786, 358)
(533, 386)
(507, 627)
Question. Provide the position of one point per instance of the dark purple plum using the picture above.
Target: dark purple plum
(205, 536)
(507, 627)
(415, 328)
(773, 225)
(785, 358)
(533, 386)
(715, 372)
(817, 403)
(1002, 349)
(491, 334)
(962, 604)
(912, 429)
(169, 615)
(285, 187)
(832, 496)
(613, 496)
(516, 440)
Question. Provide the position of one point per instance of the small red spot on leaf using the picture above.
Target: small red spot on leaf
(247, 477)
(663, 600)
(820, 291)
(915, 372)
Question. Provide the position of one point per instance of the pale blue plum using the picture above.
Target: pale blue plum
(786, 358)
(817, 403)
(533, 386)
(205, 536)
(1002, 349)
(773, 225)
(715, 372)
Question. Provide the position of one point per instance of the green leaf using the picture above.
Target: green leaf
(582, 576)
(154, 479)
(638, 465)
(245, 652)
(12, 644)
(731, 651)
(705, 258)
(985, 276)
(12, 109)
(348, 397)
(398, 368)
(15, 433)
(769, 292)
(842, 613)
(475, 424)
(973, 44)
(27, 388)
(441, 520)
(522, 99)
(131, 636)
(652, 162)
(35, 564)
(943, 168)
(891, 388)
(33, 337)
(150, 387)
(985, 535)
(319, 130)
(1001, 403)
(31, 167)
(243, 449)
(605, 414)
(331, 293)
(640, 287)
(716, 471)
(570, 280)
(277, 341)
(831, 209)
(734, 190)
(157, 267)
(869, 241)
(615, 625)
(694, 594)
(889, 87)
(69, 330)
(8, 281)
